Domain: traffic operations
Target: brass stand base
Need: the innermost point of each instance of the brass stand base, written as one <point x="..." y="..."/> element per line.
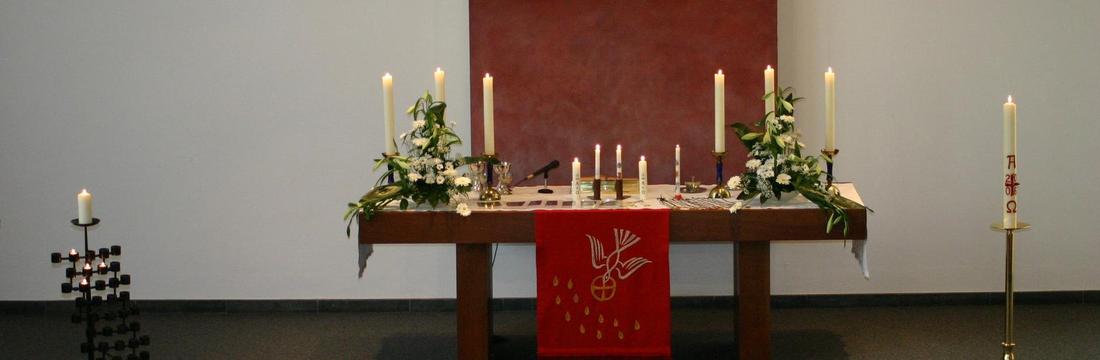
<point x="719" y="192"/>
<point x="1009" y="345"/>
<point x="490" y="194"/>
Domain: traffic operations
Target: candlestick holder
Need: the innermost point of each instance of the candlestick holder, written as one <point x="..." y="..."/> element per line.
<point x="829" y="156"/>
<point x="1009" y="344"/>
<point x="389" y="168"/>
<point x="105" y="317"/>
<point x="489" y="193"/>
<point x="720" y="190"/>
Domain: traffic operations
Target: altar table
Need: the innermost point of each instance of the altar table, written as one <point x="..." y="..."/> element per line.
<point x="751" y="230"/>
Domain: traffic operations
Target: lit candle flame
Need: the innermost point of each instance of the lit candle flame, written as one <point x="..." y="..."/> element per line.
<point x="1010" y="99"/>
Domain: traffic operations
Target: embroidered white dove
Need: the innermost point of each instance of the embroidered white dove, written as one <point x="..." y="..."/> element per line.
<point x="603" y="286"/>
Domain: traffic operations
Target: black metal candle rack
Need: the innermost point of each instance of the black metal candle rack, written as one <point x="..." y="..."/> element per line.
<point x="111" y="332"/>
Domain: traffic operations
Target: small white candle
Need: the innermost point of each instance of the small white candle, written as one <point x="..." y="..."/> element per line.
<point x="769" y="88"/>
<point x="677" y="168"/>
<point x="1010" y="207"/>
<point x="72" y="252"/>
<point x="597" y="174"/>
<point x="87" y="267"/>
<point x="387" y="112"/>
<point x="440" y="85"/>
<point x="84" y="282"/>
<point x="487" y="99"/>
<point x="618" y="161"/>
<point x="643" y="179"/>
<point x="719" y="112"/>
<point x="84" y="207"/>
<point x="830" y="110"/>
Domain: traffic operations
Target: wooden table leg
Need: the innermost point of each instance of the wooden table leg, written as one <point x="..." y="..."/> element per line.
<point x="754" y="318"/>
<point x="474" y="277"/>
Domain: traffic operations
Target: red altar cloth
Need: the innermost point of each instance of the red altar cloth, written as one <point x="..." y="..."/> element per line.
<point x="603" y="288"/>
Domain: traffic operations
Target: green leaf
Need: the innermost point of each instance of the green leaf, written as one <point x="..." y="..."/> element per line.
<point x="750" y="136"/>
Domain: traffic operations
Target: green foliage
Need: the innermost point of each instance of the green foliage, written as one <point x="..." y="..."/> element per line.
<point x="427" y="174"/>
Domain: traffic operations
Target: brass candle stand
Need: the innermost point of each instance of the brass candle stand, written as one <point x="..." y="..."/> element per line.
<point x="720" y="190"/>
<point x="389" y="168"/>
<point x="1009" y="344"/>
<point x="830" y="155"/>
<point x="489" y="193"/>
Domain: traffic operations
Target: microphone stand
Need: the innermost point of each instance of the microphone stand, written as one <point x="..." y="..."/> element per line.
<point x="545" y="183"/>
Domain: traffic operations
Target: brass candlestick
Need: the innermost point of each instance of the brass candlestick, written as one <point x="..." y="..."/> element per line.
<point x="389" y="168"/>
<point x="720" y="191"/>
<point x="1009" y="345"/>
<point x="829" y="156"/>
<point x="489" y="193"/>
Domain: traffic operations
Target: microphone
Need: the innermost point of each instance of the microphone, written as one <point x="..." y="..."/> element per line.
<point x="551" y="166"/>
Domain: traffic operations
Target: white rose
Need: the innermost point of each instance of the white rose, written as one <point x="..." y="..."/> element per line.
<point x="783" y="179"/>
<point x="752" y="164"/>
<point x="450" y="173"/>
<point x="413" y="177"/>
<point x="463" y="209"/>
<point x="462" y="181"/>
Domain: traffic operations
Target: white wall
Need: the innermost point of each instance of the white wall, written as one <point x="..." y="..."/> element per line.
<point x="221" y="141"/>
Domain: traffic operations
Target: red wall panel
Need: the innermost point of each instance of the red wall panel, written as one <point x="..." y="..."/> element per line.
<point x="571" y="74"/>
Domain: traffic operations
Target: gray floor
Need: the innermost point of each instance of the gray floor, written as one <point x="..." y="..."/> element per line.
<point x="923" y="332"/>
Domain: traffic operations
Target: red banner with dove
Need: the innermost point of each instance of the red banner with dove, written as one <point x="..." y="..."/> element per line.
<point x="603" y="287"/>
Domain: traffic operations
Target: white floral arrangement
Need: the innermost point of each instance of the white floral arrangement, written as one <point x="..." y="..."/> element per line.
<point x="428" y="174"/>
<point x="776" y="165"/>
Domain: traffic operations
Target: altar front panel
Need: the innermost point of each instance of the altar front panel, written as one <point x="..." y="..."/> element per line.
<point x="639" y="73"/>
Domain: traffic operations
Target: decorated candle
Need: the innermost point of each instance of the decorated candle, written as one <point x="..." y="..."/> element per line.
<point x="597" y="174"/>
<point x="575" y="185"/>
<point x="677" y="168"/>
<point x="440" y="85"/>
<point x="618" y="161"/>
<point x="1010" y="180"/>
<point x="84" y="207"/>
<point x="487" y="98"/>
<point x="643" y="178"/>
<point x="769" y="88"/>
<point x="387" y="112"/>
<point x="719" y="112"/>
<point x="830" y="110"/>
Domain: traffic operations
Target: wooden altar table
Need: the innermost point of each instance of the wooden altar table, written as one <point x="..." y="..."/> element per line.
<point x="751" y="231"/>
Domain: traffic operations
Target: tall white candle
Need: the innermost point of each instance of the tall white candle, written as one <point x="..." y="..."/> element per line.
<point x="643" y="179"/>
<point x="830" y="110"/>
<point x="1010" y="181"/>
<point x="387" y="112"/>
<point x="618" y="161"/>
<point x="677" y="168"/>
<point x="719" y="112"/>
<point x="769" y="88"/>
<point x="487" y="98"/>
<point x="440" y="85"/>
<point x="84" y="207"/>
<point x="597" y="174"/>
